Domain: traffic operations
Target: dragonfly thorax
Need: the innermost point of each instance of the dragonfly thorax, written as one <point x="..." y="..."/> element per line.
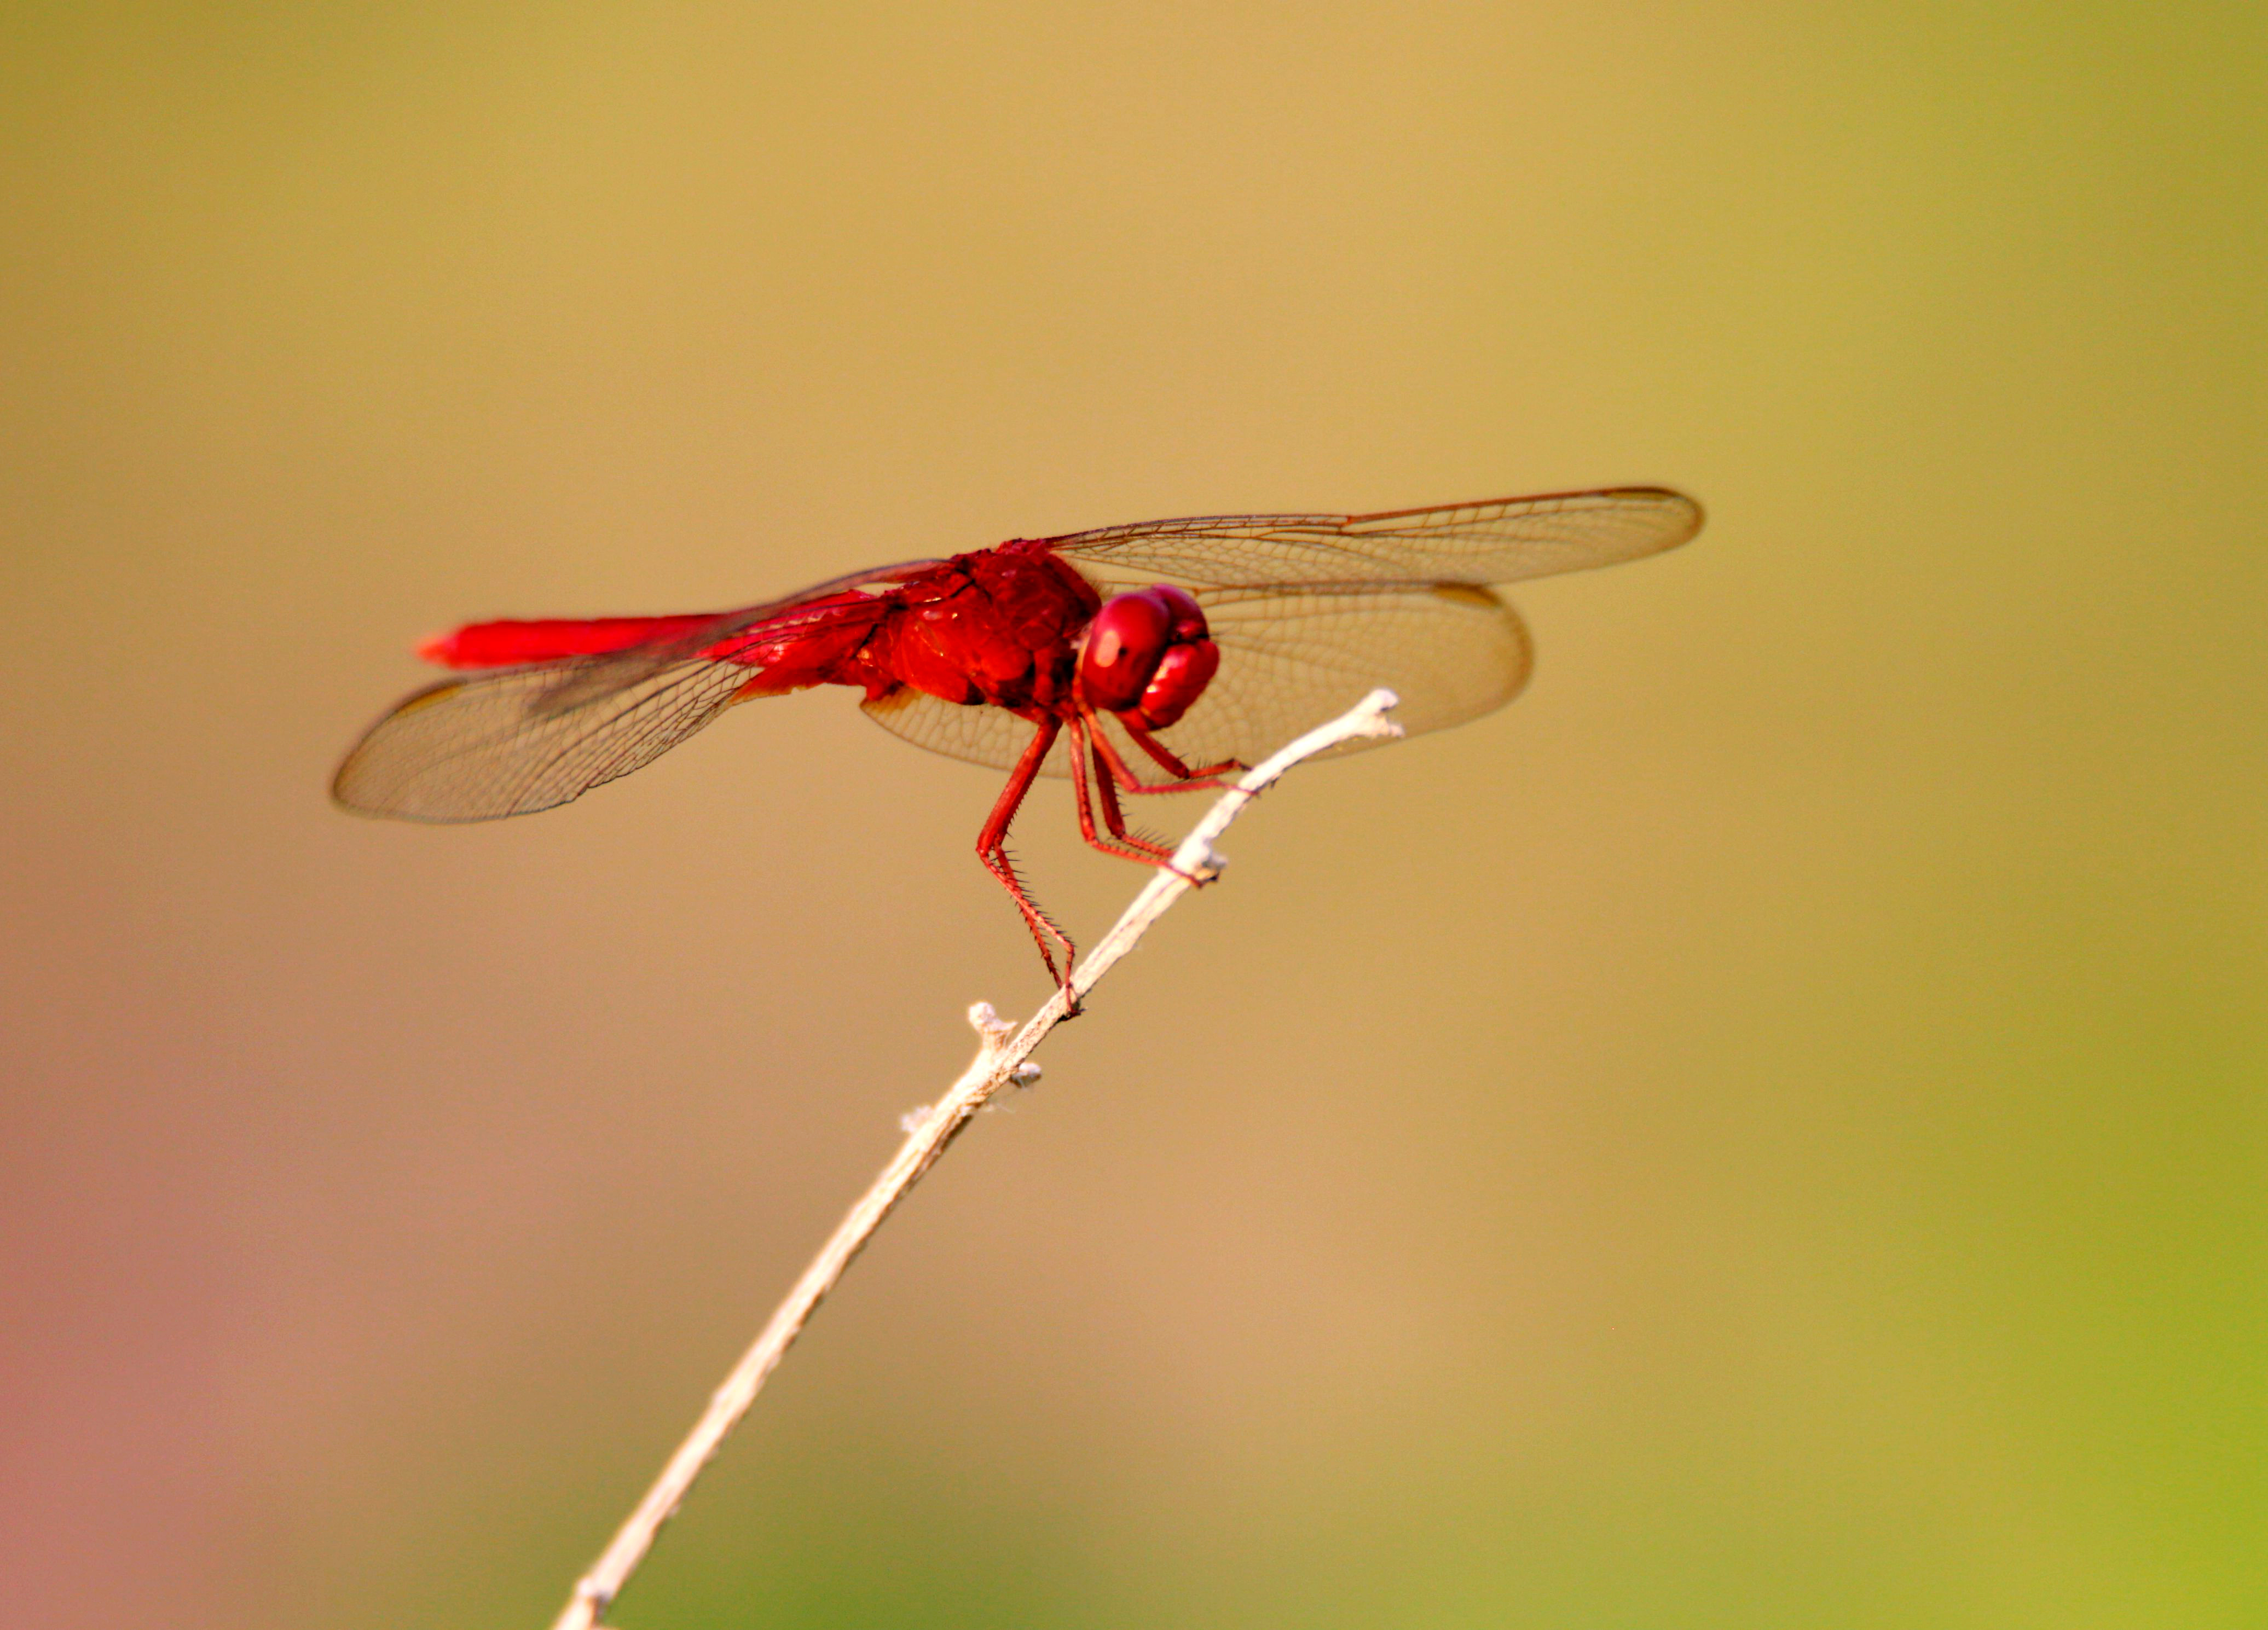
<point x="998" y="628"/>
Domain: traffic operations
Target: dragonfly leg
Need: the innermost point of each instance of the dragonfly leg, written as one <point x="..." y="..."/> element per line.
<point x="1185" y="779"/>
<point x="1095" y="791"/>
<point x="1087" y="738"/>
<point x="1109" y="760"/>
<point x="992" y="849"/>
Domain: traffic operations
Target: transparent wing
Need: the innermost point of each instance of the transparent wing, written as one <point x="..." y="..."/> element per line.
<point x="522" y="739"/>
<point x="1497" y="541"/>
<point x="1292" y="656"/>
<point x="980" y="734"/>
<point x="515" y="740"/>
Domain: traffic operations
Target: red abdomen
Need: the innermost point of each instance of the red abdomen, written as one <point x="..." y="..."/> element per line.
<point x="508" y="643"/>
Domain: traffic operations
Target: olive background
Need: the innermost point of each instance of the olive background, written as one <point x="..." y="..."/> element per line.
<point x="1768" y="1131"/>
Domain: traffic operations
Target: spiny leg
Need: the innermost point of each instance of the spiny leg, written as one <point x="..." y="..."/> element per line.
<point x="1107" y="758"/>
<point x="992" y="849"/>
<point x="1185" y="779"/>
<point x="1086" y="733"/>
<point x="1086" y="741"/>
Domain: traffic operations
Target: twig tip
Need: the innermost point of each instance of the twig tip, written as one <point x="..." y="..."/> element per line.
<point x="1372" y="711"/>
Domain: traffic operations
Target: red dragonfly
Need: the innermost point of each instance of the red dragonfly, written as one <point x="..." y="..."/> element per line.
<point x="1188" y="648"/>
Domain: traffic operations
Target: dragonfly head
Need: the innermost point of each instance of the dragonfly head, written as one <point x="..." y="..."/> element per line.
<point x="1147" y="654"/>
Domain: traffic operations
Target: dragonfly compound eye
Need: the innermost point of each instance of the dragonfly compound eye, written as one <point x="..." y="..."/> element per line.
<point x="1188" y="617"/>
<point x="1147" y="655"/>
<point x="1121" y="652"/>
<point x="1184" y="672"/>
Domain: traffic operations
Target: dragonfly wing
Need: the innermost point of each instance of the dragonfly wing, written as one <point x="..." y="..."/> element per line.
<point x="981" y="735"/>
<point x="515" y="740"/>
<point x="1292" y="656"/>
<point x="1497" y="541"/>
<point x="520" y="739"/>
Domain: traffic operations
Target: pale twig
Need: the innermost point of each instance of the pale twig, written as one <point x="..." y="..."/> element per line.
<point x="1000" y="1061"/>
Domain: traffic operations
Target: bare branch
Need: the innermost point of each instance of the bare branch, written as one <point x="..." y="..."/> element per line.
<point x="1000" y="1061"/>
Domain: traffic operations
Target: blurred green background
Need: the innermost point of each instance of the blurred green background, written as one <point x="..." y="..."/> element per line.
<point x="1767" y="1132"/>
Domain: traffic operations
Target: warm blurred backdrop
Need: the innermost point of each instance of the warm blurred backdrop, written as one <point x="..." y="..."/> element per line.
<point x="1767" y="1132"/>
